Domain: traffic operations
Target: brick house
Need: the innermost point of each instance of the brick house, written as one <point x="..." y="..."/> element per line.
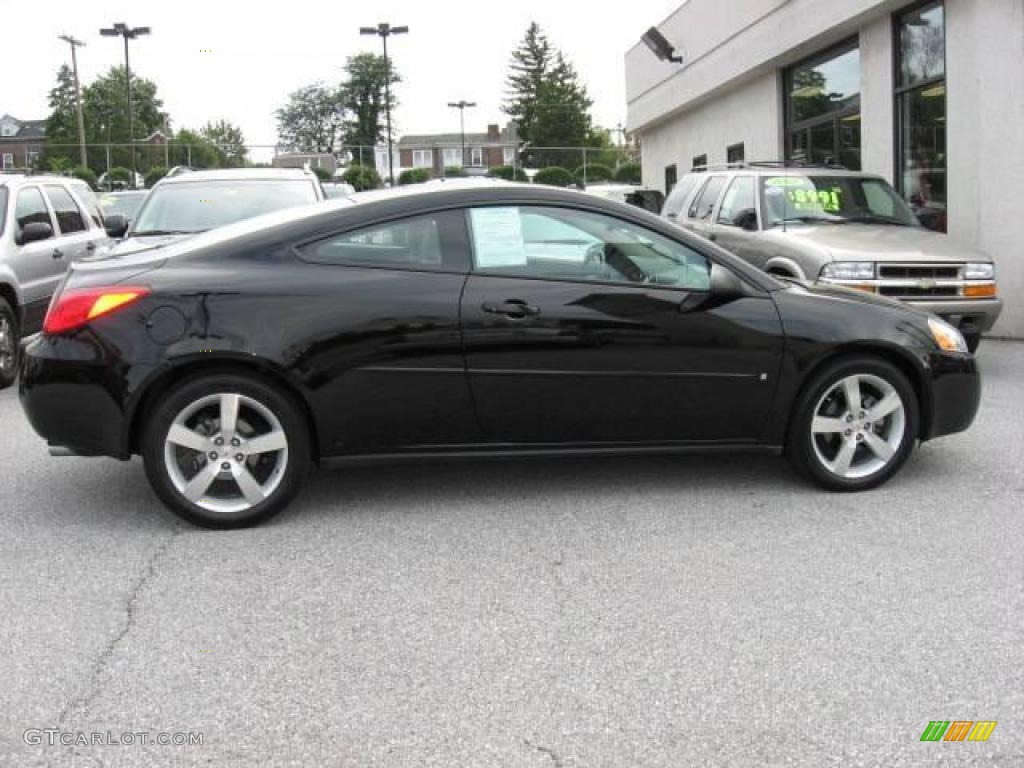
<point x="21" y="142"/>
<point x="438" y="151"/>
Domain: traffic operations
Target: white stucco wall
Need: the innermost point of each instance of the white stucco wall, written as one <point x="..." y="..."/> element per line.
<point x="985" y="140"/>
<point x="748" y="113"/>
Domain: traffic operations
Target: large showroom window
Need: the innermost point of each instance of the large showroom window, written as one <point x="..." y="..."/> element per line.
<point x="921" y="112"/>
<point x="823" y="108"/>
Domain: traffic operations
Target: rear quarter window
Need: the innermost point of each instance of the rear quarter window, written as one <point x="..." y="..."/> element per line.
<point x="677" y="199"/>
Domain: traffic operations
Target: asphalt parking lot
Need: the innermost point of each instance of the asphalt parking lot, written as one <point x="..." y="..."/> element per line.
<point x="667" y="611"/>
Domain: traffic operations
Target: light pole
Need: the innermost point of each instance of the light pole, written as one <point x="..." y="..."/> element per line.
<point x="78" y="93"/>
<point x="461" y="106"/>
<point x="384" y="31"/>
<point x="120" y="29"/>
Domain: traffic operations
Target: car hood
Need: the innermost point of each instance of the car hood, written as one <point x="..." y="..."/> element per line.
<point x="832" y="292"/>
<point x="137" y="243"/>
<point x="881" y="242"/>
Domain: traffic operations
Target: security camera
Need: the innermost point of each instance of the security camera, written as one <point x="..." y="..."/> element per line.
<point x="661" y="47"/>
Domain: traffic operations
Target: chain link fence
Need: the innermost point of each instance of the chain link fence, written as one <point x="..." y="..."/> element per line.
<point x="561" y="165"/>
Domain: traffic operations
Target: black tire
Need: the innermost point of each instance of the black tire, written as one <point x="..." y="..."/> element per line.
<point x="162" y="416"/>
<point x="800" y="446"/>
<point x="10" y="355"/>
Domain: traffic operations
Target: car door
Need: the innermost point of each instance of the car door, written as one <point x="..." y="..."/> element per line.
<point x="699" y="215"/>
<point x="582" y="328"/>
<point x="75" y="237"/>
<point x="737" y="222"/>
<point x="33" y="263"/>
<point x="384" y="358"/>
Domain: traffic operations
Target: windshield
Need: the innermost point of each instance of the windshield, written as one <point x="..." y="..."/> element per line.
<point x="126" y="205"/>
<point x="188" y="207"/>
<point x="803" y="199"/>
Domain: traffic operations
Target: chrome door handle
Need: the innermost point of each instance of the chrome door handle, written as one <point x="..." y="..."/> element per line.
<point x="515" y="309"/>
<point x="91" y="245"/>
<point x="58" y="253"/>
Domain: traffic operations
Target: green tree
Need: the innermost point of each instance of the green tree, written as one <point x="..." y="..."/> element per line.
<point x="105" y="103"/>
<point x="547" y="99"/>
<point x="154" y="175"/>
<point x="228" y="140"/>
<point x="195" y="150"/>
<point x="86" y="174"/>
<point x="362" y="177"/>
<point x="628" y="173"/>
<point x="322" y="173"/>
<point x="363" y="96"/>
<point x="312" y="120"/>
<point x="413" y="176"/>
<point x="61" y="124"/>
<point x="594" y="173"/>
<point x="554" y="175"/>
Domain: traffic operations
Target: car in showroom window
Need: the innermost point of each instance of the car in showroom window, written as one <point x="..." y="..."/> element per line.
<point x="473" y="320"/>
<point x="841" y="227"/>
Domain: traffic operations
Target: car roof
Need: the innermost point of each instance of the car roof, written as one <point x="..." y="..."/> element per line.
<point x="126" y="192"/>
<point x="32" y="179"/>
<point x="783" y="170"/>
<point x="231" y="174"/>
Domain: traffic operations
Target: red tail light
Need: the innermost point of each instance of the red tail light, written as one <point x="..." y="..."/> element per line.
<point x="76" y="307"/>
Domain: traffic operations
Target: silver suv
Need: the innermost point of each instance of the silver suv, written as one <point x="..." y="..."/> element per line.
<point x="46" y="222"/>
<point x="842" y="227"/>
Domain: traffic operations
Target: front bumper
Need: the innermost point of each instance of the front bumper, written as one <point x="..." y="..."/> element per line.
<point x="955" y="394"/>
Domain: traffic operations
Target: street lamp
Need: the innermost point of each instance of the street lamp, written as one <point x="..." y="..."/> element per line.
<point x="384" y="31"/>
<point x="120" y="29"/>
<point x="78" y="92"/>
<point x="461" y="106"/>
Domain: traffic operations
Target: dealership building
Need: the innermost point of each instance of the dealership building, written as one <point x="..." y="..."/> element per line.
<point x="929" y="95"/>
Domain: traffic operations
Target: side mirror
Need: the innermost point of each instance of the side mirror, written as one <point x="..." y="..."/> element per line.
<point x="725" y="283"/>
<point x="116" y="225"/>
<point x="33" y="232"/>
<point x="746" y="219"/>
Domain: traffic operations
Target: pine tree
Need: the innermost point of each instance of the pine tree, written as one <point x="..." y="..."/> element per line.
<point x="547" y="100"/>
<point x="529" y="68"/>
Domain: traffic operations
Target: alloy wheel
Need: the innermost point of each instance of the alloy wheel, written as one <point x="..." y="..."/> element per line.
<point x="226" y="452"/>
<point x="858" y="426"/>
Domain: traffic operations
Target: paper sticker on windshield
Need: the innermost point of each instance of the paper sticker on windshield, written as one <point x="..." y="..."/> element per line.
<point x="498" y="237"/>
<point x="803" y="196"/>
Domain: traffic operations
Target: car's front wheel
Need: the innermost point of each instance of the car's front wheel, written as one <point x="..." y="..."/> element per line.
<point x="854" y="425"/>
<point x="226" y="451"/>
<point x="10" y="345"/>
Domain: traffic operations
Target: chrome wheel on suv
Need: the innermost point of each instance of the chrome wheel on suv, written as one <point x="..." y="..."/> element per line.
<point x="9" y="345"/>
<point x="854" y="424"/>
<point x="226" y="451"/>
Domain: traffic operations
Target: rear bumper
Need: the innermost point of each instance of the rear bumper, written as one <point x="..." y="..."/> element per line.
<point x="72" y="396"/>
<point x="955" y="394"/>
<point x="969" y="315"/>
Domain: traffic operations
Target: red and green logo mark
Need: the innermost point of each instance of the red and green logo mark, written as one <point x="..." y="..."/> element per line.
<point x="958" y="730"/>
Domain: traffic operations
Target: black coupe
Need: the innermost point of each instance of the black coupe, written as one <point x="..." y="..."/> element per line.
<point x="468" y="320"/>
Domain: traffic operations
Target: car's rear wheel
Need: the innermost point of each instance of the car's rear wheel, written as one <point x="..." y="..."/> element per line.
<point x="10" y="344"/>
<point x="226" y="451"/>
<point x="854" y="425"/>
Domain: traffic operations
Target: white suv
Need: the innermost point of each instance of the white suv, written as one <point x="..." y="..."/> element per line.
<point x="46" y="222"/>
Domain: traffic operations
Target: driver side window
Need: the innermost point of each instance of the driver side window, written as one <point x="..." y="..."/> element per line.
<point x="565" y="244"/>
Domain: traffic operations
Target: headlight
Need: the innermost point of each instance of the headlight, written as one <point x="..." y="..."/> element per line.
<point x="849" y="270"/>
<point x="980" y="271"/>
<point x="946" y="336"/>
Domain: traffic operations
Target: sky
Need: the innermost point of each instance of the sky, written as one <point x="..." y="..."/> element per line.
<point x="236" y="61"/>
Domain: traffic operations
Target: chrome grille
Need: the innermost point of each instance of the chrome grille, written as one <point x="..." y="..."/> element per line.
<point x="920" y="281"/>
<point x="920" y="271"/>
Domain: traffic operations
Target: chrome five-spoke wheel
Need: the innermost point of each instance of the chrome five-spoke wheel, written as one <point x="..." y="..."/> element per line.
<point x="226" y="452"/>
<point x="854" y="424"/>
<point x="858" y="426"/>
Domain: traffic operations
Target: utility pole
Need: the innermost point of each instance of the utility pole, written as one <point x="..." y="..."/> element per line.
<point x="461" y="106"/>
<point x="384" y="31"/>
<point x="78" y="93"/>
<point x="120" y="29"/>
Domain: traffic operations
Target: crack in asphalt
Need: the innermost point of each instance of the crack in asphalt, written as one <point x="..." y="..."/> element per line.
<point x="546" y="751"/>
<point x="80" y="705"/>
